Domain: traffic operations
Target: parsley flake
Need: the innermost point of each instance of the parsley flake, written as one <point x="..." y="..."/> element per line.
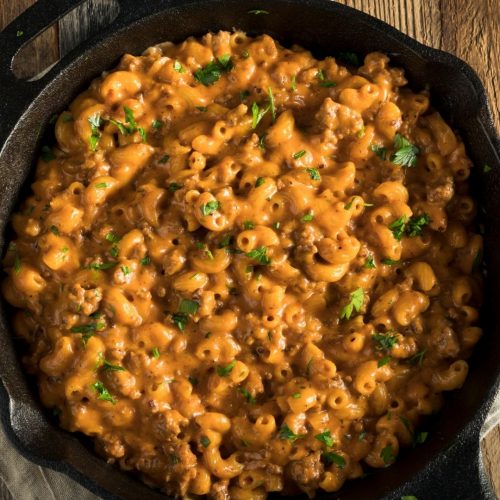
<point x="405" y="153"/>
<point x="260" y="255"/>
<point x="258" y="114"/>
<point x="369" y="263"/>
<point x="250" y="399"/>
<point x="299" y="154"/>
<point x="355" y="303"/>
<point x="210" y="207"/>
<point x="380" y="151"/>
<point x="386" y="455"/>
<point x="224" y="371"/>
<point x="214" y="70"/>
<point x="286" y="434"/>
<point x="326" y="438"/>
<point x="385" y="341"/>
<point x="333" y="458"/>
<point x="259" y="181"/>
<point x="205" y="442"/>
<point x="313" y="174"/>
<point x="178" y="67"/>
<point x="102" y="392"/>
<point x="155" y="352"/>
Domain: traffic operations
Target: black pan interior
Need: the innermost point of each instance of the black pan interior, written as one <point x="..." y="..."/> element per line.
<point x="447" y="466"/>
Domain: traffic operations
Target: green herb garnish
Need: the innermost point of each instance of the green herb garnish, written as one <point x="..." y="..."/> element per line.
<point x="405" y="153"/>
<point x="102" y="392"/>
<point x="214" y="70"/>
<point x="326" y="438"/>
<point x="210" y="207"/>
<point x="355" y="303"/>
<point x="224" y="371"/>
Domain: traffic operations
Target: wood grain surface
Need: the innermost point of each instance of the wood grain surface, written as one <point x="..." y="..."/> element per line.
<point x="469" y="29"/>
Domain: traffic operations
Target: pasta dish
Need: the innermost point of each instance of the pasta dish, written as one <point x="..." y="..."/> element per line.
<point x="243" y="270"/>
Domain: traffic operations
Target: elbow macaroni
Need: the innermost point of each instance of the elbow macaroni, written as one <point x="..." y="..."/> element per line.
<point x="244" y="270"/>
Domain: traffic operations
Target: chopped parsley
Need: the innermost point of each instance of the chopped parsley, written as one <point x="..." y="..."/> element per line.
<point x="146" y="260"/>
<point x="180" y="320"/>
<point x="102" y="266"/>
<point x="112" y="237"/>
<point x="348" y="205"/>
<point x="386" y="454"/>
<point x="287" y="434"/>
<point x="204" y="247"/>
<point x="210" y="207"/>
<point x="405" y="153"/>
<point x="361" y="132"/>
<point x="214" y="70"/>
<point x="398" y="227"/>
<point x="293" y="86"/>
<point x="272" y="105"/>
<point x="17" y="264"/>
<point x="383" y="361"/>
<point x="369" y="263"/>
<point x="95" y="135"/>
<point x="416" y="224"/>
<point x="186" y="308"/>
<point x="130" y="126"/>
<point x="125" y="270"/>
<point x="333" y="458"/>
<point x="47" y="154"/>
<point x="178" y="67"/>
<point x="224" y="371"/>
<point x="380" y="151"/>
<point x="326" y="438"/>
<point x="102" y="392"/>
<point x="487" y="168"/>
<point x="248" y="224"/>
<point x="260" y="255"/>
<point x="107" y="366"/>
<point x="205" y="442"/>
<point x="189" y="306"/>
<point x="355" y="303"/>
<point x="174" y="186"/>
<point x="258" y="114"/>
<point x="299" y="154"/>
<point x="203" y="109"/>
<point x="411" y="227"/>
<point x="259" y="181"/>
<point x="307" y="217"/>
<point x="420" y="437"/>
<point x="313" y="174"/>
<point x="101" y="185"/>
<point x="320" y="75"/>
<point x="87" y="330"/>
<point x="295" y="395"/>
<point x="157" y="124"/>
<point x="54" y="230"/>
<point x="164" y="159"/>
<point x="385" y="341"/>
<point x="155" y="352"/>
<point x="250" y="399"/>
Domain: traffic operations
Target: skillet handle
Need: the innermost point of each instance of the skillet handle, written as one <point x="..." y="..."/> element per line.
<point x="18" y="94"/>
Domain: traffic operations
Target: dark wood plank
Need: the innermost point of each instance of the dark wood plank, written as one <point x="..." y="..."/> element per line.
<point x="85" y="21"/>
<point x="40" y="53"/>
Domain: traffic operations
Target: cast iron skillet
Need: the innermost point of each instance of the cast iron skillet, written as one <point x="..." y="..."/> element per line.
<point x="448" y="465"/>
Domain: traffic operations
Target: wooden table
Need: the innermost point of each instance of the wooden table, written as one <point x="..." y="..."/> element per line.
<point x="468" y="28"/>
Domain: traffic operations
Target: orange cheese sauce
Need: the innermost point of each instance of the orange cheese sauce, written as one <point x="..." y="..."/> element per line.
<point x="243" y="270"/>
